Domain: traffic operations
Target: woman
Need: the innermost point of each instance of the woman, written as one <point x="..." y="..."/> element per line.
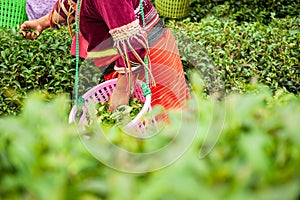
<point x="133" y="38"/>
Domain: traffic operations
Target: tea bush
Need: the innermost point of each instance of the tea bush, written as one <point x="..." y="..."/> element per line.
<point x="41" y="64"/>
<point x="244" y="10"/>
<point x="256" y="155"/>
<point x="234" y="54"/>
<point x="227" y="50"/>
<point x="40" y="155"/>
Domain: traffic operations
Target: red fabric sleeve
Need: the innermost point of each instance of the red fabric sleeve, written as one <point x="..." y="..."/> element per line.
<point x="118" y="13"/>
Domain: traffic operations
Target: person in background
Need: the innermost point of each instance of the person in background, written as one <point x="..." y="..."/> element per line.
<point x="37" y="8"/>
<point x="130" y="36"/>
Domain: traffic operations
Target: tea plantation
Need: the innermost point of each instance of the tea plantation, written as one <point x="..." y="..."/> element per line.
<point x="241" y="60"/>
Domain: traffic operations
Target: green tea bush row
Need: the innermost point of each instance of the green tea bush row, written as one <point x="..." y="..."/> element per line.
<point x="245" y="10"/>
<point x="253" y="155"/>
<point x="242" y="52"/>
<point x="41" y="64"/>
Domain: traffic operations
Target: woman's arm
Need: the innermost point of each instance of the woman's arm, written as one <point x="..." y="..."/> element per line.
<point x="56" y="16"/>
<point x="39" y="25"/>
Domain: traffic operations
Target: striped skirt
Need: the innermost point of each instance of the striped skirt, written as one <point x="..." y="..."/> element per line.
<point x="171" y="90"/>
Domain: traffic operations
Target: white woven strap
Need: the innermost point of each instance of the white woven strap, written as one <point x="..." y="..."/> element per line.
<point x="123" y="70"/>
<point x="126" y="32"/>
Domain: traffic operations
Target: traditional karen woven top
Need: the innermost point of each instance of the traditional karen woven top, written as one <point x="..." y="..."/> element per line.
<point x="114" y="31"/>
<point x="113" y="28"/>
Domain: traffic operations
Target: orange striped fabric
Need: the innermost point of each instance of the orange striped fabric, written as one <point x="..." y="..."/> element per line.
<point x="171" y="90"/>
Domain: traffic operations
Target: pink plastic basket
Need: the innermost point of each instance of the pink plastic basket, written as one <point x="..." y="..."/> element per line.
<point x="101" y="93"/>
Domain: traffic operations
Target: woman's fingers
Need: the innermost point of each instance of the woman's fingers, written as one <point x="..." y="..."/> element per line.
<point x="29" y="33"/>
<point x="22" y="31"/>
<point x="23" y="27"/>
<point x="30" y="29"/>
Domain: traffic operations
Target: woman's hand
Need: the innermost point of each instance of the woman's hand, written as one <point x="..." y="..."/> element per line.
<point x="121" y="93"/>
<point x="32" y="29"/>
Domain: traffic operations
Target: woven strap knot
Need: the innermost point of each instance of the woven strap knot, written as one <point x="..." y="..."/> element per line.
<point x="146" y="89"/>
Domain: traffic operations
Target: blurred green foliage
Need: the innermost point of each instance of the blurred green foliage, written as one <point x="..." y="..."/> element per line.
<point x="256" y="156"/>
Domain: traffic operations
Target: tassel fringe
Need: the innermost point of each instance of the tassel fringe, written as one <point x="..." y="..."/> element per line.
<point x="122" y="36"/>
